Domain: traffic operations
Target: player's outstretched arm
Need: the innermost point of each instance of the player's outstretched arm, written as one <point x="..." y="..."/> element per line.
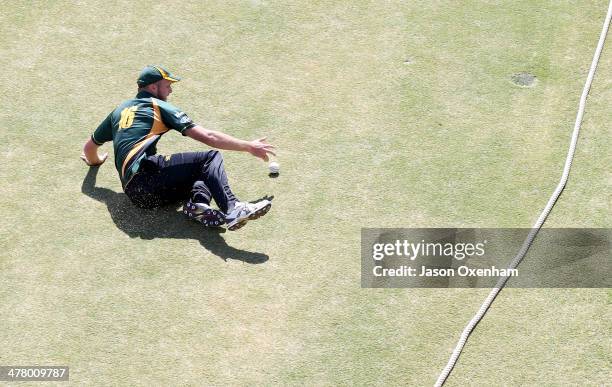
<point x="90" y="154"/>
<point x="258" y="148"/>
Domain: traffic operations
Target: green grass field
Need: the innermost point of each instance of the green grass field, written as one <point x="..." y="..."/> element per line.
<point x="386" y="114"/>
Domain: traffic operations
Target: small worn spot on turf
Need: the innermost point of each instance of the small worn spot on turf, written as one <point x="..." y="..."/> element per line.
<point x="524" y="79"/>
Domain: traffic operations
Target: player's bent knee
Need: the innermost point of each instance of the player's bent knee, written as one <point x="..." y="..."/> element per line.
<point x="214" y="157"/>
<point x="215" y="154"/>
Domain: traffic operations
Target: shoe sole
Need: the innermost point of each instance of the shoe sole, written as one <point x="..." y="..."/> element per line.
<point x="255" y="215"/>
<point x="209" y="218"/>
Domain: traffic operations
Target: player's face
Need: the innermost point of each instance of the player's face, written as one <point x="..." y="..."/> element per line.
<point x="164" y="88"/>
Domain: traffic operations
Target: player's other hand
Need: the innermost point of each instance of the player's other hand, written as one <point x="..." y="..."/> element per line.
<point x="260" y="148"/>
<point x="100" y="160"/>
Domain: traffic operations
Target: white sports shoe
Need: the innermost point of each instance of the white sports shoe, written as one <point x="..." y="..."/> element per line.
<point x="204" y="213"/>
<point x="244" y="211"/>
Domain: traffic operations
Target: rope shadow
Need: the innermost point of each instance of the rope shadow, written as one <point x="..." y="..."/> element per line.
<point x="163" y="222"/>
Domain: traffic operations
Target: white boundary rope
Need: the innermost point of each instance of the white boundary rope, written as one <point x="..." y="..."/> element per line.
<point x="534" y="231"/>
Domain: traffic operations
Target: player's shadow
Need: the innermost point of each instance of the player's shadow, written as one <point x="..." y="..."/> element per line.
<point x="164" y="222"/>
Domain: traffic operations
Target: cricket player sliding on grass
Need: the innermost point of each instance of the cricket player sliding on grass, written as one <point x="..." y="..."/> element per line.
<point x="151" y="180"/>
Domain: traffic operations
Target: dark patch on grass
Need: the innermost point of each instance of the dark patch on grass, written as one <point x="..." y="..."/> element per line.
<point x="524" y="79"/>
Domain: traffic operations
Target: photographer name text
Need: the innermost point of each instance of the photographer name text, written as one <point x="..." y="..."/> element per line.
<point x="461" y="271"/>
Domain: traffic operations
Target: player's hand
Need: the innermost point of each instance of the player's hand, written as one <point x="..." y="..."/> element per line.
<point x="100" y="161"/>
<point x="260" y="148"/>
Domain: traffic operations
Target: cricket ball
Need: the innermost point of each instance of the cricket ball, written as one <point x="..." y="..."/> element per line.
<point x="274" y="167"/>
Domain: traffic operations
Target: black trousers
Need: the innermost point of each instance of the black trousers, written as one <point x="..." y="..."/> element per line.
<point x="162" y="180"/>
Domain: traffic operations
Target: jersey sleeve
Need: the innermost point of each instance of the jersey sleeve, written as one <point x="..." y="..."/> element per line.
<point x="175" y="118"/>
<point x="104" y="132"/>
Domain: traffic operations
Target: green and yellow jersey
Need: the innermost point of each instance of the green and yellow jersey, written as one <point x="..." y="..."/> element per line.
<point x="135" y="126"/>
